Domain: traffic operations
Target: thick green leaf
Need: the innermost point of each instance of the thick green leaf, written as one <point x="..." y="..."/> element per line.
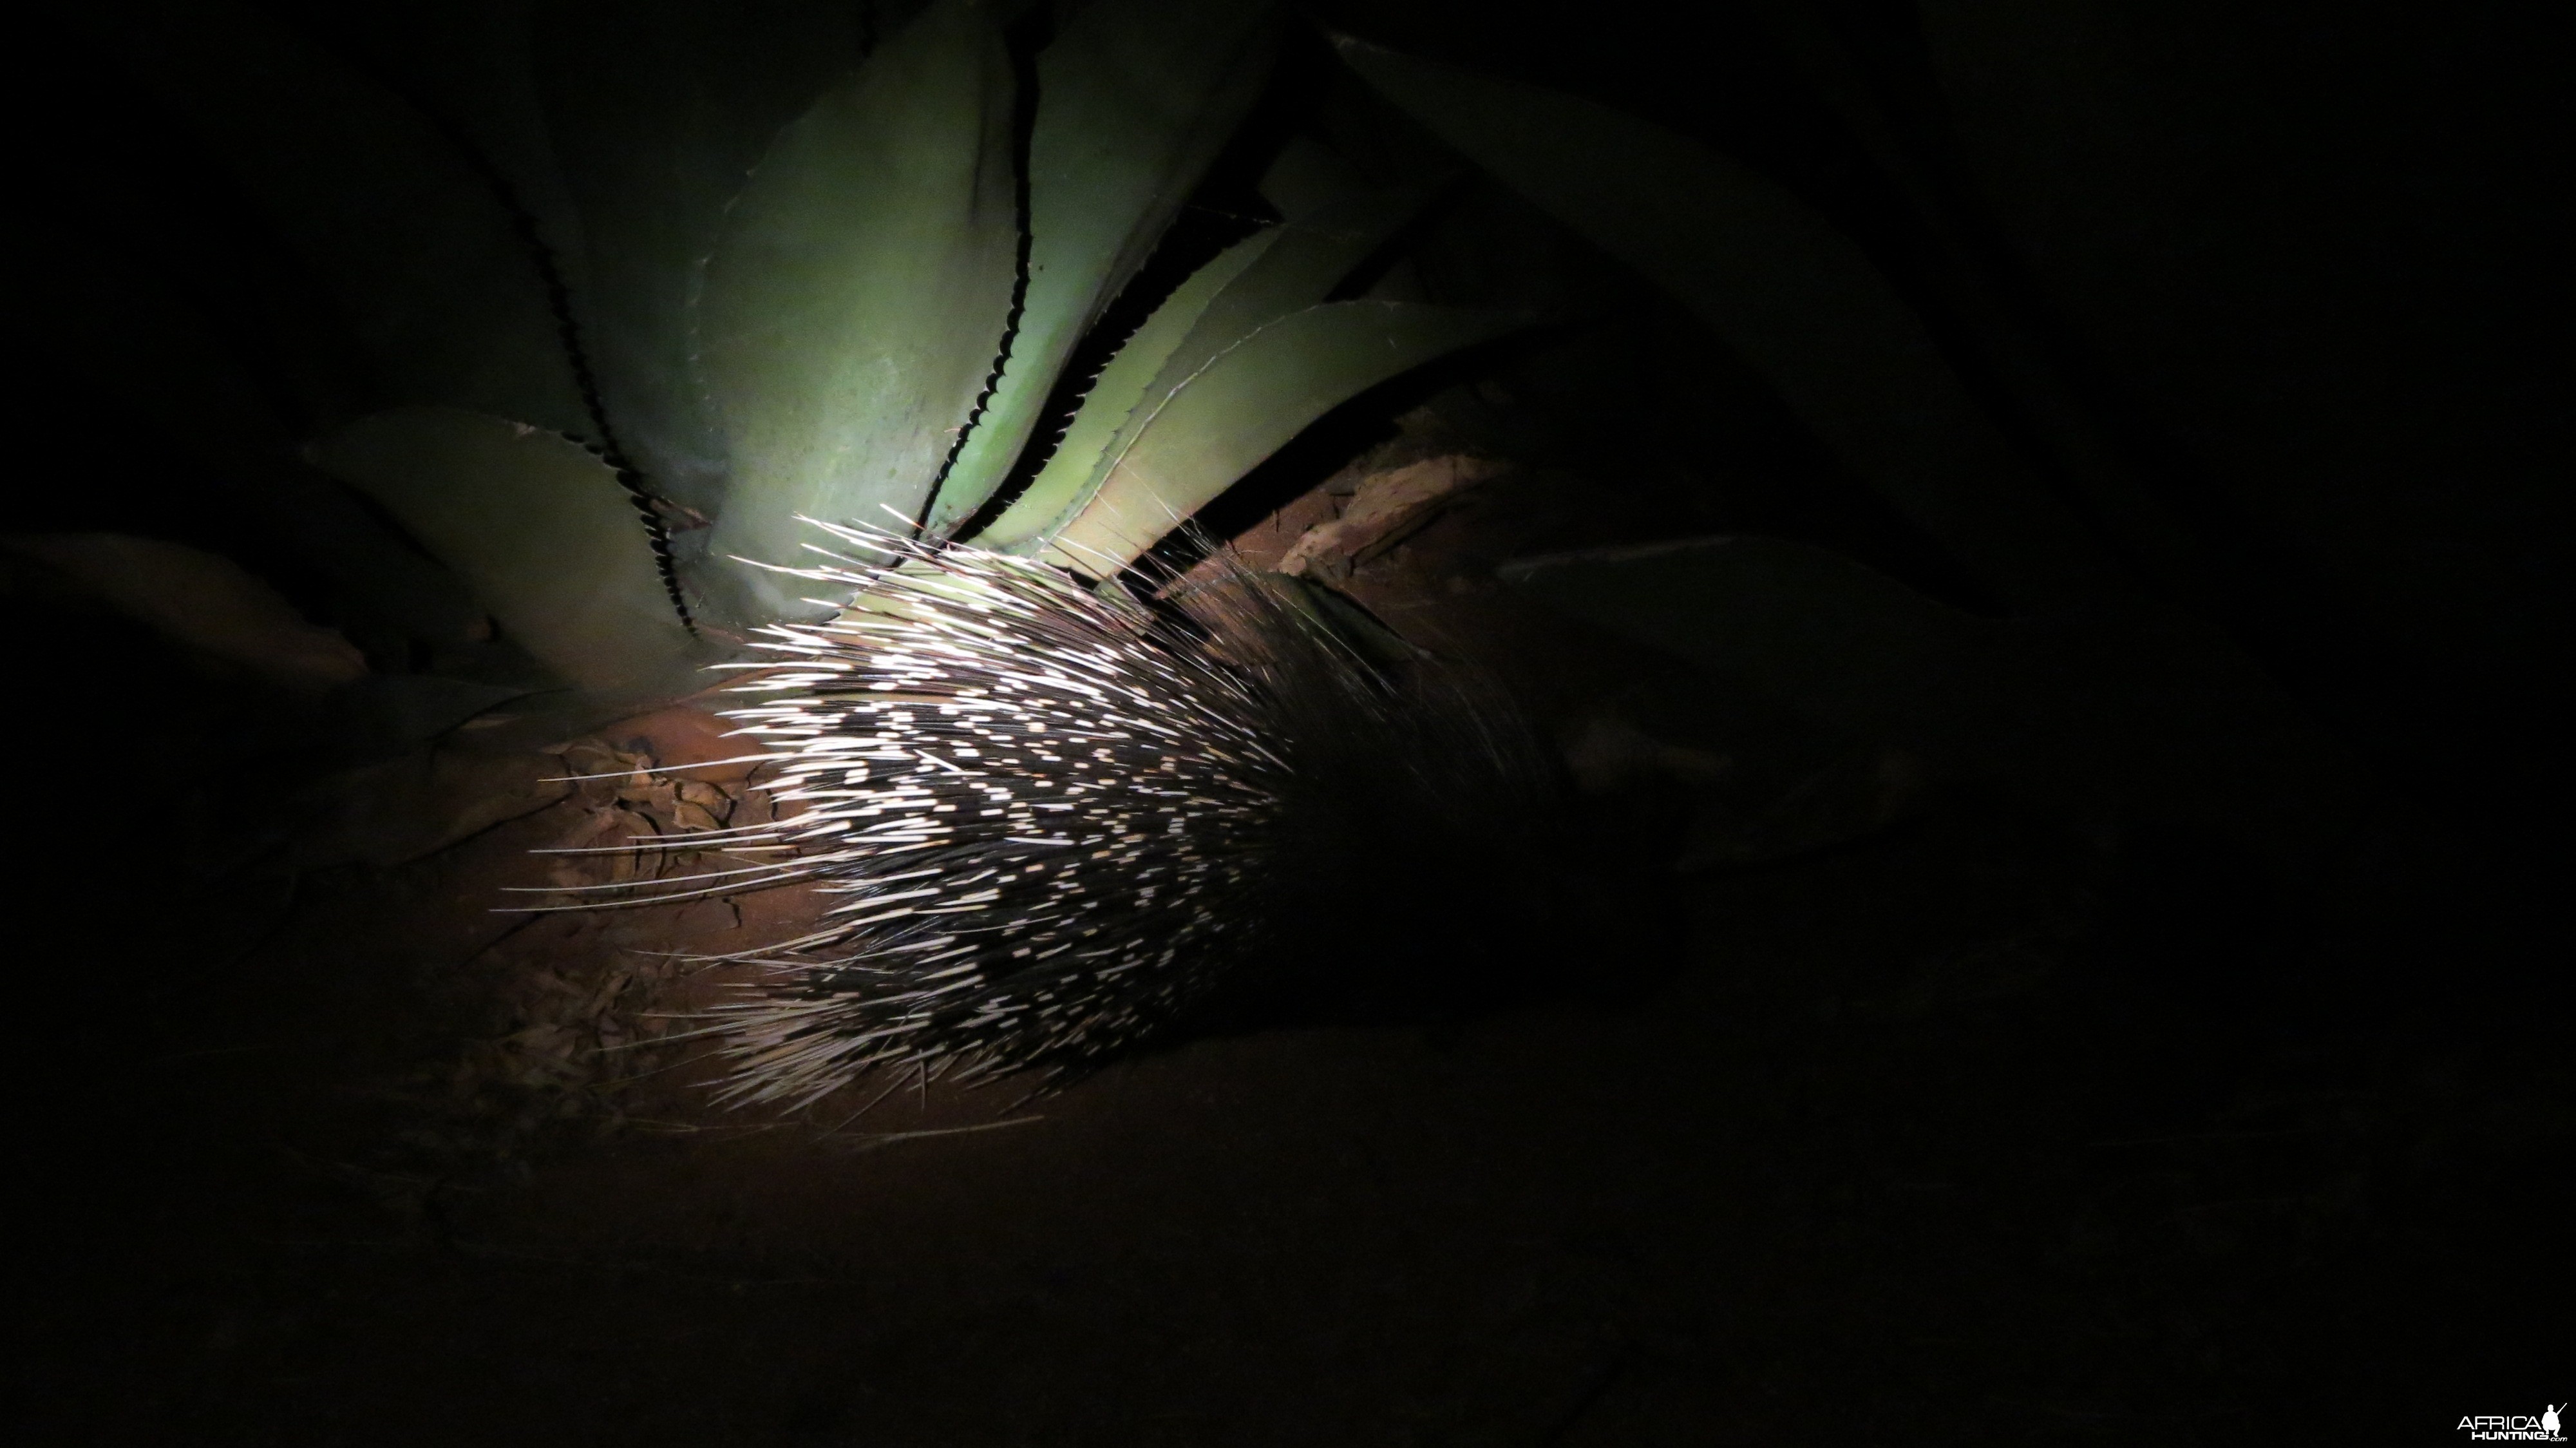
<point x="2153" y="715"/>
<point x="1066" y="480"/>
<point x="1299" y="269"/>
<point x="538" y="528"/>
<point x="1789" y="292"/>
<point x="201" y="599"/>
<point x="658" y="110"/>
<point x="1135" y="97"/>
<point x="1307" y="178"/>
<point x="137" y="341"/>
<point x="855" y="304"/>
<point x="1267" y="277"/>
<point x="423" y="259"/>
<point x="468" y="66"/>
<point x="1246" y="403"/>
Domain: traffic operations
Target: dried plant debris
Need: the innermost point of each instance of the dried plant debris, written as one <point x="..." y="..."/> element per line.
<point x="575" y="1031"/>
<point x="627" y="806"/>
<point x="1385" y="508"/>
<point x="2014" y="964"/>
<point x="1851" y="798"/>
<point x="1739" y="816"/>
<point x="582" y="1009"/>
<point x="580" y="1029"/>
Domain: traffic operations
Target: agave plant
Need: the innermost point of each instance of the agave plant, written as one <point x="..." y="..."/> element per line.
<point x="638" y="295"/>
<point x="618" y="294"/>
<point x="2113" y="676"/>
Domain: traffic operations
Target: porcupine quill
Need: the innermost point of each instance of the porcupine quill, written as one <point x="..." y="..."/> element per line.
<point x="1050" y="823"/>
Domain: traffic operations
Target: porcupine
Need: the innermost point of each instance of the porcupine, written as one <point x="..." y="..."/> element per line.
<point x="1061" y="820"/>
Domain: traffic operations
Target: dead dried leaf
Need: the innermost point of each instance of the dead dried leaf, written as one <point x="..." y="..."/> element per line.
<point x="1386" y="508"/>
<point x="714" y="800"/>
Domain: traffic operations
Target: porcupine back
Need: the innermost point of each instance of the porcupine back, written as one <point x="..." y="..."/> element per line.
<point x="1049" y="824"/>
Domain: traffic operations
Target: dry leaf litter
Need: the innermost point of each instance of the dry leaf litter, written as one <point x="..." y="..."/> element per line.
<point x="584" y="1004"/>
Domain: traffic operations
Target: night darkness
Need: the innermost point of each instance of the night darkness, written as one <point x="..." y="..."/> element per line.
<point x="2141" y="1021"/>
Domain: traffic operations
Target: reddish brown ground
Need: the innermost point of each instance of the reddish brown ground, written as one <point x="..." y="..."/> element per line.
<point x="1953" y="1134"/>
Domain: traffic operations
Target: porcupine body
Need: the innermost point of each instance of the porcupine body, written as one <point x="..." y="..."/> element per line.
<point x="1048" y="823"/>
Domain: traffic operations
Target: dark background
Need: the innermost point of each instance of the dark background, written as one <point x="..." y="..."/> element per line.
<point x="1992" y="1126"/>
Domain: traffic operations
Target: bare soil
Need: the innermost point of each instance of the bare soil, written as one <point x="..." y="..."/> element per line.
<point x="1971" y="1129"/>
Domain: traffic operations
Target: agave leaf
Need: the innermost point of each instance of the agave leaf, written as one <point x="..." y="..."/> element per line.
<point x="539" y="529"/>
<point x="1789" y="292"/>
<point x="344" y="541"/>
<point x="140" y="343"/>
<point x="1135" y="97"/>
<point x="204" y="600"/>
<point x="468" y="66"/>
<point x="1299" y="269"/>
<point x="1307" y="178"/>
<point x="1066" y="479"/>
<point x="658" y="110"/>
<point x="2159" y="714"/>
<point x="855" y="304"/>
<point x="424" y="261"/>
<point x="1272" y="276"/>
<point x="1246" y="403"/>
